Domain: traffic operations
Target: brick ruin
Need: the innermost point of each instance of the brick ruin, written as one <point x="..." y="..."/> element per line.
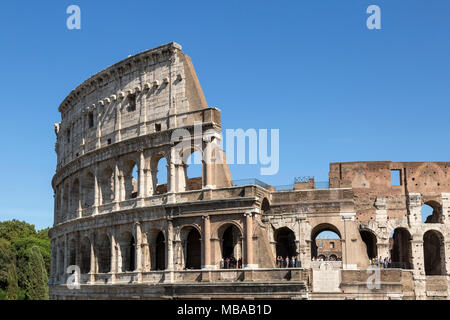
<point x="134" y="236"/>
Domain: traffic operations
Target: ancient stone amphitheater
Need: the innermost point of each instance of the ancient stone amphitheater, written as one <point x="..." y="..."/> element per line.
<point x="133" y="236"/>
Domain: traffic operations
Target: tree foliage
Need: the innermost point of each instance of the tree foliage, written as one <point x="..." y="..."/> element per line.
<point x="36" y="276"/>
<point x="24" y="261"/>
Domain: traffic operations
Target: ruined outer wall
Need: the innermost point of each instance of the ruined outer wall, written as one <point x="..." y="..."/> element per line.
<point x="372" y="179"/>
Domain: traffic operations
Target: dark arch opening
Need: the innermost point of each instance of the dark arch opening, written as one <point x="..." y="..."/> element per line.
<point x="285" y="243"/>
<point x="160" y="251"/>
<point x="401" y="250"/>
<point x="104" y="255"/>
<point x="265" y="205"/>
<point x="128" y="251"/>
<point x="85" y="249"/>
<point x="193" y="250"/>
<point x="433" y="250"/>
<point x="371" y="243"/>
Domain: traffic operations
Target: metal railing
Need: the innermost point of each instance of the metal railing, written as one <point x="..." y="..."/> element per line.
<point x="246" y="182"/>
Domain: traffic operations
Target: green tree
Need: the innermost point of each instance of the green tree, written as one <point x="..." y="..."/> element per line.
<point x="36" y="276"/>
<point x="13" y="287"/>
<point x="5" y="262"/>
<point x="14" y="229"/>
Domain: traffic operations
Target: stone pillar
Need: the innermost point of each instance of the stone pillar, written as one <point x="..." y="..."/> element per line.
<point x="116" y="187"/>
<point x="418" y="268"/>
<point x="138" y="258"/>
<point x="80" y="197"/>
<point x="169" y="275"/>
<point x="249" y="241"/>
<point x="113" y="256"/>
<point x="447" y="257"/>
<point x="414" y="208"/>
<point x="61" y="207"/>
<point x="93" y="262"/>
<point x="141" y="176"/>
<point x="171" y="172"/>
<point x="96" y="191"/>
<point x="66" y="257"/>
<point x="304" y="245"/>
<point x="207" y="243"/>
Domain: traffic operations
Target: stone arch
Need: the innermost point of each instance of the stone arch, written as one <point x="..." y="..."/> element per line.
<point x="401" y="248"/>
<point x="66" y="206"/>
<point x="434" y="253"/>
<point x="316" y="231"/>
<point x="104" y="253"/>
<point x="160" y="252"/>
<point x="193" y="163"/>
<point x="370" y="240"/>
<point x="107" y="185"/>
<point x="85" y="253"/>
<point x="285" y="242"/>
<point x="75" y="195"/>
<point x="60" y="262"/>
<point x="192" y="247"/>
<point x="434" y="211"/>
<point x="265" y="205"/>
<point x="88" y="190"/>
<point x="72" y="252"/>
<point x="127" y="245"/>
<point x="160" y="175"/>
<point x="231" y="242"/>
<point x="130" y="182"/>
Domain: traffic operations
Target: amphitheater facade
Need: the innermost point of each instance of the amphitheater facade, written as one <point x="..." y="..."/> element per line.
<point x="135" y="237"/>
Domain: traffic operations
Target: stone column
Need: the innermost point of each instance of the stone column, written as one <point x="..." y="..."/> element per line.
<point x="304" y="245"/>
<point x="80" y="197"/>
<point x="66" y="257"/>
<point x="445" y="208"/>
<point x="93" y="262"/>
<point x="141" y="176"/>
<point x="171" y="172"/>
<point x="113" y="256"/>
<point x="116" y="187"/>
<point x="418" y="268"/>
<point x="169" y="275"/>
<point x="206" y="242"/>
<point x="61" y="207"/>
<point x="414" y="208"/>
<point x="249" y="241"/>
<point x="96" y="191"/>
<point x="138" y="258"/>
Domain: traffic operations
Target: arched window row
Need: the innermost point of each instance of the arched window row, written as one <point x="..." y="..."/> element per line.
<point x="130" y="178"/>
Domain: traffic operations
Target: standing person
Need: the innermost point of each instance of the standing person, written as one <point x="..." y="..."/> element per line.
<point x="278" y="262"/>
<point x="222" y="264"/>
<point x="292" y="262"/>
<point x="227" y="262"/>
<point x="240" y="263"/>
<point x="287" y="261"/>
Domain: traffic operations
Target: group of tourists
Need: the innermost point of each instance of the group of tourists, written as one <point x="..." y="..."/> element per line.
<point x="286" y="262"/>
<point x="322" y="258"/>
<point x="381" y="263"/>
<point x="231" y="263"/>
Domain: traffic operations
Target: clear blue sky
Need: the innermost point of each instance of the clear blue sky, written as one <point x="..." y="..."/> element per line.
<point x="336" y="90"/>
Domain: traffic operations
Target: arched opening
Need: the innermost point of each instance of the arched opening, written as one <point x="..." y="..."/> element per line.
<point x="333" y="257"/>
<point x="128" y="252"/>
<point x="193" y="250"/>
<point x="431" y="212"/>
<point x="370" y="240"/>
<point x="193" y="176"/>
<point x="72" y="253"/>
<point x="285" y="243"/>
<point x="61" y="260"/>
<point x="104" y="254"/>
<point x="85" y="252"/>
<point x="88" y="190"/>
<point x="160" y="252"/>
<point x="434" y="253"/>
<point x="107" y="185"/>
<point x="265" y="205"/>
<point x="75" y="195"/>
<point x="65" y="202"/>
<point x="159" y="171"/>
<point x="231" y="244"/>
<point x="401" y="250"/>
<point x="326" y="241"/>
<point x="130" y="179"/>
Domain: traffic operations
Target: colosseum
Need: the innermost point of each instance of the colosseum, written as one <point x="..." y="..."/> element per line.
<point x="133" y="236"/>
